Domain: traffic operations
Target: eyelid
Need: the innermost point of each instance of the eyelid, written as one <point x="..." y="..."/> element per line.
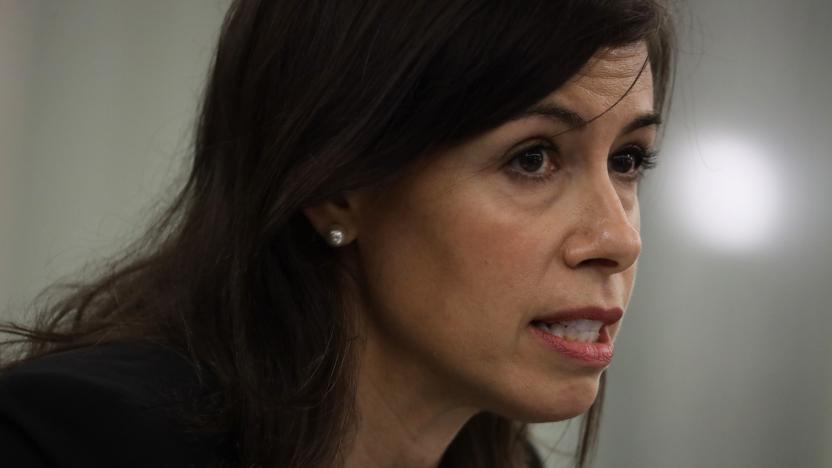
<point x="645" y="150"/>
<point x="647" y="161"/>
<point x="544" y="143"/>
<point x="548" y="146"/>
<point x="533" y="142"/>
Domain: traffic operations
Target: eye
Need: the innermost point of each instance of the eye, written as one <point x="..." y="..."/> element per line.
<point x="532" y="163"/>
<point x="631" y="161"/>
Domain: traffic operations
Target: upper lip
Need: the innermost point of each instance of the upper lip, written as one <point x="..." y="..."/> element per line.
<point x="607" y="316"/>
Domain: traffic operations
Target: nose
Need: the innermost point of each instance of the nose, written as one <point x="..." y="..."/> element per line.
<point x="604" y="235"/>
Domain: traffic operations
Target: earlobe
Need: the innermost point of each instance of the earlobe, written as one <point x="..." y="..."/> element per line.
<point x="336" y="236"/>
<point x="335" y="220"/>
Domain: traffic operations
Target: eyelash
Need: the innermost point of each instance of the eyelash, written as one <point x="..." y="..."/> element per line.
<point x="644" y="161"/>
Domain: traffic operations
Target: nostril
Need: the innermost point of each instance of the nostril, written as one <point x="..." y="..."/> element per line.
<point x="600" y="262"/>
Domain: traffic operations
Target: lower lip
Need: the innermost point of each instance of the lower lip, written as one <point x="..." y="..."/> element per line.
<point x="597" y="354"/>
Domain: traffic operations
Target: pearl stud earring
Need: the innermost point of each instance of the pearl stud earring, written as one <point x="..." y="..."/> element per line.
<point x="335" y="236"/>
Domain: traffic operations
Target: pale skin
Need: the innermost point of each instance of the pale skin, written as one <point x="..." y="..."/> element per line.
<point x="472" y="244"/>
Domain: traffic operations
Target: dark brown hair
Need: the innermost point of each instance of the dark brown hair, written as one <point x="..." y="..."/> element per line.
<point x="307" y="99"/>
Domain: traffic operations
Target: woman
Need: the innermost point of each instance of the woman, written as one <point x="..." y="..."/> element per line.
<point x="409" y="229"/>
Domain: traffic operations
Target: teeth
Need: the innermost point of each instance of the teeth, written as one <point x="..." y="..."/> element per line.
<point x="585" y="331"/>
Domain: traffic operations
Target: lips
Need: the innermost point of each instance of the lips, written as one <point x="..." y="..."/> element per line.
<point x="596" y="354"/>
<point x="607" y="316"/>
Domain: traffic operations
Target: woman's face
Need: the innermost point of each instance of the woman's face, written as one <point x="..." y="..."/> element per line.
<point x="471" y="247"/>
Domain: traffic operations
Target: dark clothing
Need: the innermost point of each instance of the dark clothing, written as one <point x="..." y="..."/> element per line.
<point x="115" y="405"/>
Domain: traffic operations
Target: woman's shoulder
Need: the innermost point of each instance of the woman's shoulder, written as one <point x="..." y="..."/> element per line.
<point x="104" y="405"/>
<point x="109" y="363"/>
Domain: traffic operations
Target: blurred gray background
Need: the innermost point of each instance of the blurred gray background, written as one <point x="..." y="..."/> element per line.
<point x="724" y="359"/>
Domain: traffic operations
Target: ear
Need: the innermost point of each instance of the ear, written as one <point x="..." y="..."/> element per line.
<point x="338" y="212"/>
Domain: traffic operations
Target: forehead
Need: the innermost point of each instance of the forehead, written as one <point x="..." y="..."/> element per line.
<point x="611" y="75"/>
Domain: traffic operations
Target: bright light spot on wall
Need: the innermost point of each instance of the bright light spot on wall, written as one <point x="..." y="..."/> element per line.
<point x="730" y="194"/>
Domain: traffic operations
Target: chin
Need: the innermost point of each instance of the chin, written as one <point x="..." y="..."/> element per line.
<point x="558" y="402"/>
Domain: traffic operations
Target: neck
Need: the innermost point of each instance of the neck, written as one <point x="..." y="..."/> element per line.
<point x="405" y="419"/>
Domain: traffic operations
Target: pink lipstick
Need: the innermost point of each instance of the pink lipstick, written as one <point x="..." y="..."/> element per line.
<point x="597" y="353"/>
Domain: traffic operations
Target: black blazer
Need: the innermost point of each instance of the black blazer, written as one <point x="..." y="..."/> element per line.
<point x="115" y="405"/>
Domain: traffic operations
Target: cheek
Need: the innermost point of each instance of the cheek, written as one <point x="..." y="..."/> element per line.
<point x="630" y="275"/>
<point x="454" y="279"/>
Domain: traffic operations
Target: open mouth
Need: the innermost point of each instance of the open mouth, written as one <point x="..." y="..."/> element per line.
<point x="585" y="341"/>
<point x="579" y="330"/>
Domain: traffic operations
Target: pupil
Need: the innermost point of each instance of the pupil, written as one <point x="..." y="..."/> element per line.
<point x="531" y="161"/>
<point x="623" y="163"/>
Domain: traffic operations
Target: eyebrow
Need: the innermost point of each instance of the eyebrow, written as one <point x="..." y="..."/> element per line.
<point x="574" y="120"/>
